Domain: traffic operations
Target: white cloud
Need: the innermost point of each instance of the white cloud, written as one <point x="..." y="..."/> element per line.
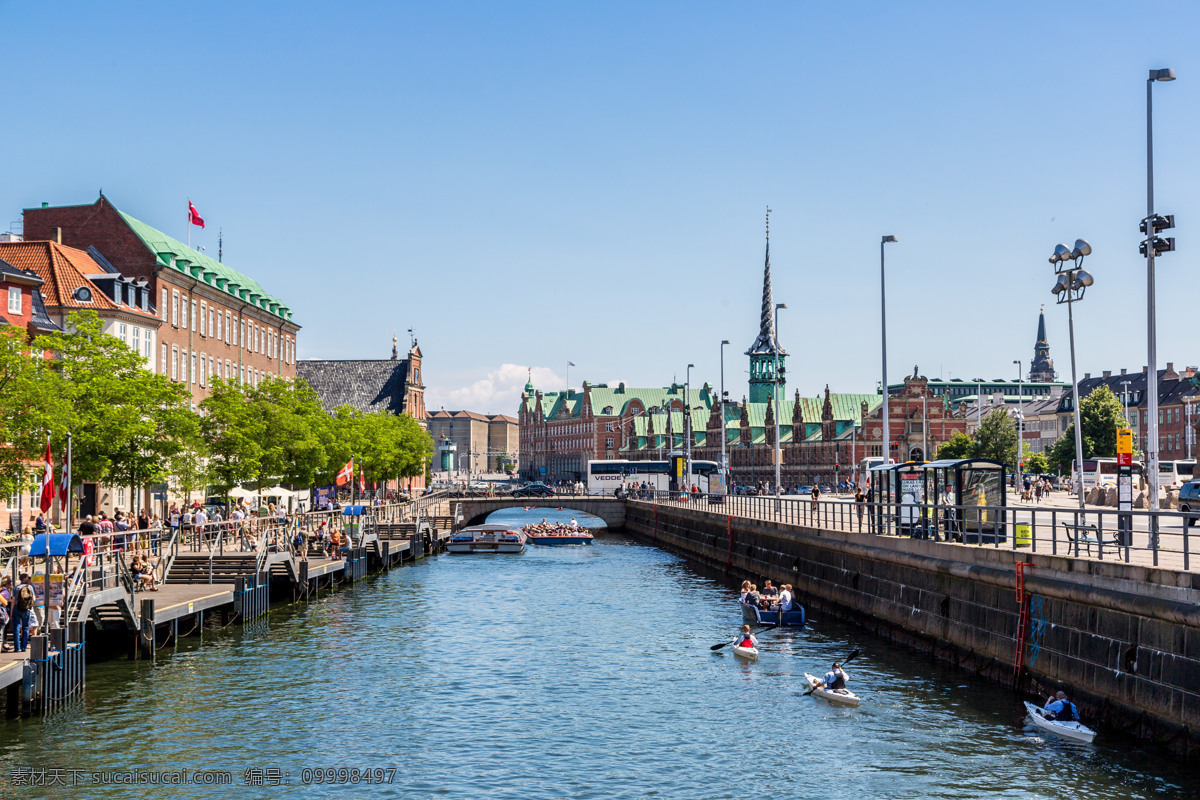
<point x="499" y="392"/>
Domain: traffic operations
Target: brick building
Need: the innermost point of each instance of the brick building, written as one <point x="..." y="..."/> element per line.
<point x="214" y="321"/>
<point x="482" y="442"/>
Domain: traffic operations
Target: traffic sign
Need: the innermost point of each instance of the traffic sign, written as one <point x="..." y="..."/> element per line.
<point x="1124" y="446"/>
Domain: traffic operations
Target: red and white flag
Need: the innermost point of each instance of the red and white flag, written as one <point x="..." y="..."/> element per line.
<point x="194" y="216"/>
<point x="63" y="491"/>
<point x="47" y="483"/>
<point x="346" y="473"/>
<point x="362" y="480"/>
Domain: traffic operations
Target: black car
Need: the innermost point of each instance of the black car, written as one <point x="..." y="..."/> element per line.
<point x="1189" y="501"/>
<point x="533" y="490"/>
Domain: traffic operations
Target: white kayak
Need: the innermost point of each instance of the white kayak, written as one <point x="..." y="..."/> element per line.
<point x="1072" y="730"/>
<point x="746" y="652"/>
<point x="843" y="696"/>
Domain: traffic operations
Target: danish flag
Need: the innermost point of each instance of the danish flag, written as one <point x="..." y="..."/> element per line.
<point x="346" y="473"/>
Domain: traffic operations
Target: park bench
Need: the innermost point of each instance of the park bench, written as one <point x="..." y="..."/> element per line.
<point x="1089" y="535"/>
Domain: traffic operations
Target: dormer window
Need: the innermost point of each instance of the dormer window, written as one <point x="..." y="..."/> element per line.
<point x="606" y="410"/>
<point x="83" y="294"/>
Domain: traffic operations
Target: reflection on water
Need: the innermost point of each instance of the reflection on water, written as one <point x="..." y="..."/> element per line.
<point x="574" y="672"/>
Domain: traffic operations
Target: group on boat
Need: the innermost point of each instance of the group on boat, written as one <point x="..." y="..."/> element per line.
<point x="771" y="606"/>
<point x="557" y="533"/>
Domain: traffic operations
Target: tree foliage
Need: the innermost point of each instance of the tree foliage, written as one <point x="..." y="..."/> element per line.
<point x="996" y="438"/>
<point x="31" y="408"/>
<point x="959" y="446"/>
<point x="1037" y="464"/>
<point x="1101" y="414"/>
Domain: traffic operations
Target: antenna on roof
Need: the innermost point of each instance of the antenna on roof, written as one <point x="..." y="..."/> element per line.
<point x="220" y="242"/>
<point x="412" y="340"/>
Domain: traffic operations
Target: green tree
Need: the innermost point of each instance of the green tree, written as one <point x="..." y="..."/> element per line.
<point x="959" y="446"/>
<point x="296" y="432"/>
<point x="1037" y="464"/>
<point x="232" y="432"/>
<point x="1101" y="414"/>
<point x="189" y="464"/>
<point x="996" y="438"/>
<point x="123" y="417"/>
<point x="32" y="407"/>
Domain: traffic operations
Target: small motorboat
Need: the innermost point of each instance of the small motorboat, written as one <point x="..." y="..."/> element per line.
<point x="842" y="696"/>
<point x="748" y="653"/>
<point x="487" y="539"/>
<point x="1071" y="730"/>
<point x="758" y="616"/>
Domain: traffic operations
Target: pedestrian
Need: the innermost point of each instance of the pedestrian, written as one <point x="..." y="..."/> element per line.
<point x="23" y="602"/>
<point x="816" y="496"/>
<point x="860" y="505"/>
<point x="6" y="602"/>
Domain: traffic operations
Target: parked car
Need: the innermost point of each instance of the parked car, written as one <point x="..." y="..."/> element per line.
<point x="1189" y="502"/>
<point x="533" y="490"/>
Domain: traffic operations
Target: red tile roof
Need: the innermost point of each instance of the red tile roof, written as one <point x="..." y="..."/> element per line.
<point x="64" y="269"/>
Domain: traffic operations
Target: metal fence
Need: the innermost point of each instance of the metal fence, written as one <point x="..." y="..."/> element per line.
<point x="1145" y="538"/>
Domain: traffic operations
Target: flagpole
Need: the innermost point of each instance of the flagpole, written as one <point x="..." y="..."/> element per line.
<point x="69" y="491"/>
<point x="189" y="223"/>
<point x="46" y="577"/>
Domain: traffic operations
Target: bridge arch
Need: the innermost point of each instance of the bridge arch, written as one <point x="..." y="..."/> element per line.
<point x="476" y="510"/>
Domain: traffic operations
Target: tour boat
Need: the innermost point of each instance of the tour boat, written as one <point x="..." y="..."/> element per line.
<point x="1072" y="730"/>
<point x="487" y="539"/>
<point x="843" y="696"/>
<point x="560" y="536"/>
<point x="758" y="616"/>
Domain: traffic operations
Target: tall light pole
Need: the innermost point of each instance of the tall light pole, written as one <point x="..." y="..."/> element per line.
<point x="887" y="430"/>
<point x="1020" y="419"/>
<point x="1070" y="286"/>
<point x="724" y="458"/>
<point x="1125" y="391"/>
<point x="1151" y="247"/>
<point x="687" y="422"/>
<point x="775" y="398"/>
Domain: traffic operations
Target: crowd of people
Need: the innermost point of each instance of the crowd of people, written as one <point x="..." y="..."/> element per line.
<point x="545" y="528"/>
<point x="769" y="598"/>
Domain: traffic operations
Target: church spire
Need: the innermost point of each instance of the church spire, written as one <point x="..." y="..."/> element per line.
<point x="1041" y="368"/>
<point x="766" y="354"/>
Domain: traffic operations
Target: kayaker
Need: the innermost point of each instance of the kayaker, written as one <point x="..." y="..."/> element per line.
<point x="835" y="679"/>
<point x="1058" y="707"/>
<point x="746" y="638"/>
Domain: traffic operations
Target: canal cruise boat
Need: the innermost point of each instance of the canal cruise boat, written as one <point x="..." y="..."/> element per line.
<point x="760" y="616"/>
<point x="487" y="539"/>
<point x="559" y="535"/>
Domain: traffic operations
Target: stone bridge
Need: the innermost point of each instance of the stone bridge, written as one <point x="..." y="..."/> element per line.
<point x="474" y="510"/>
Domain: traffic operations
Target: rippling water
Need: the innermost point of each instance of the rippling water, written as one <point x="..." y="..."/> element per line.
<point x="566" y="672"/>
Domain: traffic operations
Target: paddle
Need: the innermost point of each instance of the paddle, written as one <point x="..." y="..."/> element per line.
<point x="846" y="660"/>
<point x="723" y="644"/>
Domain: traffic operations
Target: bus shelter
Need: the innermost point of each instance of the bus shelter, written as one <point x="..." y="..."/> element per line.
<point x="897" y="497"/>
<point x="968" y="498"/>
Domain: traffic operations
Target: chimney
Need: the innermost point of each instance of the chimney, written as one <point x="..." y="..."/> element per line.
<point x="1122" y="370"/>
<point x="1145" y="370"/>
<point x="1087" y="375"/>
<point x="1170" y="373"/>
<point x="56" y="235"/>
<point x="1107" y="373"/>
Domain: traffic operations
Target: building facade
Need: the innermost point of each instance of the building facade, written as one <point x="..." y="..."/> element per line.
<point x="214" y="321"/>
<point x="482" y="442"/>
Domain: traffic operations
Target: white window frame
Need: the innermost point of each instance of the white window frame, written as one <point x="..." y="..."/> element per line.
<point x="164" y="304"/>
<point x="165" y="358"/>
<point x="14" y="299"/>
<point x="192" y="367"/>
<point x="174" y="309"/>
<point x="135" y="339"/>
<point x="193" y="316"/>
<point x="174" y="363"/>
<point x="203" y="318"/>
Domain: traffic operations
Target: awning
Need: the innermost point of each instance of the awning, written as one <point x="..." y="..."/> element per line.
<point x="352" y="511"/>
<point x="60" y="544"/>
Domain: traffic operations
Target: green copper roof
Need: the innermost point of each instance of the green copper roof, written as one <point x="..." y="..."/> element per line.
<point x="197" y="265"/>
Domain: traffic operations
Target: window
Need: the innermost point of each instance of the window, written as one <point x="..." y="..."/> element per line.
<point x="174" y="363"/>
<point x="243" y="338"/>
<point x="212" y="329"/>
<point x="120" y="499"/>
<point x="123" y="333"/>
<point x="163" y="368"/>
<point x="220" y="327"/>
<point x="174" y="308"/>
<point x="148" y="348"/>
<point x="137" y="339"/>
<point x="193" y="316"/>
<point x="203" y="318"/>
<point x="243" y="371"/>
<point x="192" y="367"/>
<point x="203" y="362"/>
<point x="14" y="299"/>
<point x="164" y="305"/>
<point x="213" y="367"/>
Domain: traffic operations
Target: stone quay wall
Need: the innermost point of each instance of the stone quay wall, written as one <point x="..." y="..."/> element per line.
<point x="1124" y="641"/>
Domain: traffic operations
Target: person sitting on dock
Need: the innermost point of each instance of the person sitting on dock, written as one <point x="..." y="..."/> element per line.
<point x="143" y="574"/>
<point x="835" y="679"/>
<point x="746" y="638"/>
<point x="1058" y="707"/>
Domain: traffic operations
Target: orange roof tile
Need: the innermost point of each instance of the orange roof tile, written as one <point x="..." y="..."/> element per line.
<point x="63" y="269"/>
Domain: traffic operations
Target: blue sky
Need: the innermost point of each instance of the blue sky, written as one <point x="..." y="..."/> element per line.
<point x="525" y="184"/>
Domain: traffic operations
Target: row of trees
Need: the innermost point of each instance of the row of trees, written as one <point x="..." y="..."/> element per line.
<point x="132" y="427"/>
<point x="1100" y="414"/>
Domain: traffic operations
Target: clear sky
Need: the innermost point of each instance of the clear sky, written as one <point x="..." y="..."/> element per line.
<point x="525" y="184"/>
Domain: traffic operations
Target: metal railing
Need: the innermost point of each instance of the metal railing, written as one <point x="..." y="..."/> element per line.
<point x="1146" y="538"/>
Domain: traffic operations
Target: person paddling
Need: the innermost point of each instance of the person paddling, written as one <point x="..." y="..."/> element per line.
<point x="835" y="679"/>
<point x="746" y="638"/>
<point x="1059" y="708"/>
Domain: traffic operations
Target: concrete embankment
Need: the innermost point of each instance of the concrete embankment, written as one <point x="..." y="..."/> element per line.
<point x="1124" y="640"/>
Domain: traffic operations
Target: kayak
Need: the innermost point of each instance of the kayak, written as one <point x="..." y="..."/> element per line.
<point x="750" y="653"/>
<point x="843" y="696"/>
<point x="1072" y="730"/>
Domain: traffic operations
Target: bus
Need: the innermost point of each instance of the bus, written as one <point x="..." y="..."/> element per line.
<point x="1173" y="474"/>
<point x="1103" y="472"/>
<point x="606" y="476"/>
<point x="864" y="466"/>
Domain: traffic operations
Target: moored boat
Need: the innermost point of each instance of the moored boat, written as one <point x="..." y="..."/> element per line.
<point x="1071" y="730"/>
<point x="758" y="616"/>
<point x="843" y="696"/>
<point x="487" y="539"/>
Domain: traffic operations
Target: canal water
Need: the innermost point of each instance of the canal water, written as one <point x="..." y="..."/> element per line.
<point x="565" y="672"/>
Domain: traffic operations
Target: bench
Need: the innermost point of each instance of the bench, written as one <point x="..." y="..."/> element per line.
<point x="1089" y="535"/>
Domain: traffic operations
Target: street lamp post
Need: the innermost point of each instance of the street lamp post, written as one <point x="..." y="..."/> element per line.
<point x="778" y="410"/>
<point x="1020" y="420"/>
<point x="887" y="430"/>
<point x="724" y="436"/>
<point x="687" y="423"/>
<point x="1151" y="248"/>
<point x="1070" y="286"/>
<point x="1125" y="391"/>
